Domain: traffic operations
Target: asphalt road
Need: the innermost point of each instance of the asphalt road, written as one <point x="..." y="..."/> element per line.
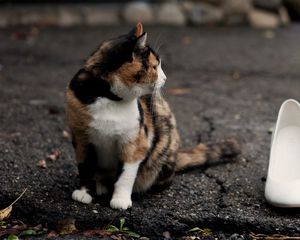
<point x="227" y="81"/>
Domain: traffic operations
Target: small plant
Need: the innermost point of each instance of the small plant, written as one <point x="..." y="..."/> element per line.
<point x="205" y="232"/>
<point x="121" y="229"/>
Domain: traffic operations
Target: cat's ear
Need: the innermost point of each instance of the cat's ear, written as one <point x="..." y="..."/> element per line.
<point x="141" y="42"/>
<point x="137" y="31"/>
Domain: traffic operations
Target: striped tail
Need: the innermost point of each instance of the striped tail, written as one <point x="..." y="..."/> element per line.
<point x="207" y="154"/>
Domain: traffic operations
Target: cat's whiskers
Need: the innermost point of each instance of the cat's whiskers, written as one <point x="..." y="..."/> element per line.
<point x="157" y="41"/>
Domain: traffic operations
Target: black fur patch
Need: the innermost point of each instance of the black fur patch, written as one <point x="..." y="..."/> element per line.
<point x="141" y="112"/>
<point x="87" y="168"/>
<point x="119" y="52"/>
<point x="90" y="88"/>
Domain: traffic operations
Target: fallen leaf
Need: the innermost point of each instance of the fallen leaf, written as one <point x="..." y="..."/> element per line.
<point x="12" y="237"/>
<point x="178" y="91"/>
<point x="52" y="234"/>
<point x="42" y="163"/>
<point x="54" y="155"/>
<point x="97" y="232"/>
<point x="269" y="34"/>
<point x="4" y="213"/>
<point x="112" y="228"/>
<point x="272" y="236"/>
<point x="13" y="230"/>
<point x="66" y="226"/>
<point x="186" y="40"/>
<point x="235" y="75"/>
<point x="54" y="110"/>
<point x="28" y="232"/>
<point x="18" y="36"/>
<point x="132" y="234"/>
<point x="66" y="135"/>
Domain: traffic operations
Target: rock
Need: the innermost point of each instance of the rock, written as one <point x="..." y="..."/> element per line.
<point x="284" y="16"/>
<point x="293" y="7"/>
<point x="134" y="12"/>
<point x="263" y="19"/>
<point x="236" y="19"/>
<point x="213" y="2"/>
<point x="103" y="14"/>
<point x="4" y="18"/>
<point x="68" y="17"/>
<point x="267" y="4"/>
<point x="202" y="13"/>
<point x="33" y="16"/>
<point x="170" y="13"/>
<point x="9" y="16"/>
<point x="235" y="7"/>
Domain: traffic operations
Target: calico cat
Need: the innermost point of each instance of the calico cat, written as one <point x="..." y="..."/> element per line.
<point x="124" y="134"/>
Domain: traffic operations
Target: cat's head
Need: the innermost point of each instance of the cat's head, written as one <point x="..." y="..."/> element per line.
<point x="131" y="66"/>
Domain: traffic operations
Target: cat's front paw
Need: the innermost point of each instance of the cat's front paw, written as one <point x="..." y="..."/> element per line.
<point x="121" y="202"/>
<point x="82" y="196"/>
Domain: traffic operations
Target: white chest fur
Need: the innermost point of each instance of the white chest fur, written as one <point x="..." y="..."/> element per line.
<point x="113" y="123"/>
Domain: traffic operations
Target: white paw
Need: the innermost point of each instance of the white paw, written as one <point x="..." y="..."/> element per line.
<point x="100" y="189"/>
<point x="82" y="196"/>
<point x="121" y="202"/>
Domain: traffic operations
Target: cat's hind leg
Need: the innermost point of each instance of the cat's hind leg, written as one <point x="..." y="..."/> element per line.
<point x="87" y="161"/>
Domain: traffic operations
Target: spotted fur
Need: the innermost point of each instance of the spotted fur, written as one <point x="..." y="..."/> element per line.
<point x="124" y="133"/>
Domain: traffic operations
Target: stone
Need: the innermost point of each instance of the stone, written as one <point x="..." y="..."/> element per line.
<point x="236" y="19"/>
<point x="293" y="6"/>
<point x="235" y="7"/>
<point x="30" y="16"/>
<point x="4" y="18"/>
<point x="134" y="12"/>
<point x="102" y="14"/>
<point x="213" y="2"/>
<point x="9" y="17"/>
<point x="263" y="19"/>
<point x="68" y="17"/>
<point x="170" y="13"/>
<point x="202" y="13"/>
<point x="284" y="16"/>
<point x="267" y="4"/>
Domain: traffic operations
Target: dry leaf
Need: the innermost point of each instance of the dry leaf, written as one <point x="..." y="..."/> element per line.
<point x="269" y="34"/>
<point x="97" y="232"/>
<point x="42" y="163"/>
<point x="4" y="213"/>
<point x="236" y="76"/>
<point x="66" y="226"/>
<point x="178" y="91"/>
<point x="13" y="230"/>
<point x="52" y="234"/>
<point x="186" y="40"/>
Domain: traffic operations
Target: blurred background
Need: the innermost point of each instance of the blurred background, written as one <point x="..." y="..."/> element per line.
<point x="66" y="13"/>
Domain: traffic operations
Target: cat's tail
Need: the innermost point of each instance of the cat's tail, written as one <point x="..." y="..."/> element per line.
<point x="207" y="154"/>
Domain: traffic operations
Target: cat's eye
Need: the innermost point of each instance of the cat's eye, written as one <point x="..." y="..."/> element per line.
<point x="155" y="68"/>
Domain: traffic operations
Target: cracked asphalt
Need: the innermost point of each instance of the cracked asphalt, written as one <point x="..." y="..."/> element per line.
<point x="235" y="80"/>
